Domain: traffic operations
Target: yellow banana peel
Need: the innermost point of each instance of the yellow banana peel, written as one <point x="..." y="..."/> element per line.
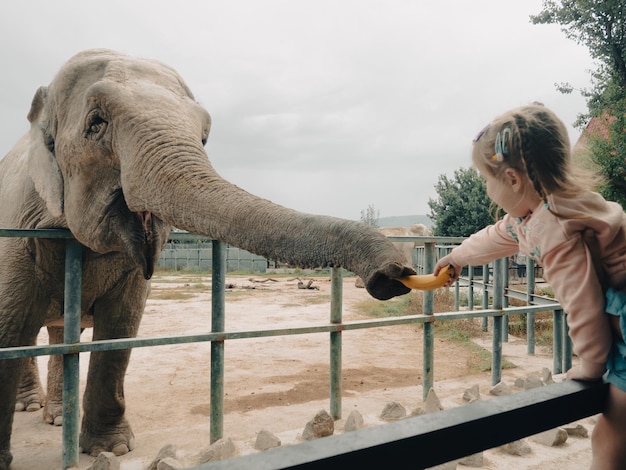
<point x="428" y="281"/>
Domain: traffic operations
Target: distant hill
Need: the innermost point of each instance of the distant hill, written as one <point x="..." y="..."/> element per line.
<point x="404" y="221"/>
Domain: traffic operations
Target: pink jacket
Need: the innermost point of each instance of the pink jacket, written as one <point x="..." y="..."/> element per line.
<point x="568" y="265"/>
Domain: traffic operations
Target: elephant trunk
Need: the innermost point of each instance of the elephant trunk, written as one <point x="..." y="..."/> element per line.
<point x="186" y="192"/>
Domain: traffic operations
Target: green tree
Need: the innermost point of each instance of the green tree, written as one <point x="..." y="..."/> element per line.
<point x="462" y="206"/>
<point x="370" y="216"/>
<point x="608" y="152"/>
<point x="600" y="25"/>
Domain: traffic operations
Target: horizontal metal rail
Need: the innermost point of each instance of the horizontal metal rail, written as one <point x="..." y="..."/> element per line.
<point x="126" y="343"/>
<point x="432" y="439"/>
<point x="39" y="233"/>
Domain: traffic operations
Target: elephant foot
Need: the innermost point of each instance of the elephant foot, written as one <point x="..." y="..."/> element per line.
<point x="118" y="439"/>
<point x="30" y="399"/>
<point x="30" y="395"/>
<point x="53" y="412"/>
<point x="5" y="459"/>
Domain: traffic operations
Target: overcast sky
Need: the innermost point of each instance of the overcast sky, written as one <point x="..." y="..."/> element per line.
<point x="324" y="106"/>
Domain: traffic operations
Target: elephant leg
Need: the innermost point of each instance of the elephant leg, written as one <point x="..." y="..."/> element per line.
<point x="53" y="411"/>
<point x="22" y="312"/>
<point x="117" y="315"/>
<point x="30" y="394"/>
<point x="104" y="427"/>
<point x="11" y="374"/>
<point x="9" y="377"/>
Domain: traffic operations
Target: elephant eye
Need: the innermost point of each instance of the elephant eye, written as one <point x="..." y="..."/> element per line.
<point x="95" y="126"/>
<point x="48" y="141"/>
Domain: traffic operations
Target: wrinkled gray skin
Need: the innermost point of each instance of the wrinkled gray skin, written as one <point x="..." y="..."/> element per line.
<point x="116" y="154"/>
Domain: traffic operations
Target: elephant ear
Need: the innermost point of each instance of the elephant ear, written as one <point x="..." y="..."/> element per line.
<point x="42" y="164"/>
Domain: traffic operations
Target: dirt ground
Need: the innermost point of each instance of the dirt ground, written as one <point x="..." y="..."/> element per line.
<point x="279" y="383"/>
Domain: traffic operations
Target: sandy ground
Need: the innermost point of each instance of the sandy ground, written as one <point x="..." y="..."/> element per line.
<point x="279" y="383"/>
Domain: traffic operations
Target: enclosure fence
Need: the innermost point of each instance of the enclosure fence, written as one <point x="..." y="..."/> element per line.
<point x="186" y="251"/>
<point x="552" y="405"/>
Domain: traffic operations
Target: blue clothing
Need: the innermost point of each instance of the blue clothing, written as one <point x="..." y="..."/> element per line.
<point x="616" y="363"/>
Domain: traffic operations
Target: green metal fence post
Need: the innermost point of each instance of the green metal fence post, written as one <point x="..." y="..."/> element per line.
<point x="71" y="335"/>
<point x="530" y="318"/>
<point x="567" y="347"/>
<point x="217" y="347"/>
<point x="429" y="329"/>
<point x="557" y="341"/>
<point x="336" y="293"/>
<point x="504" y="267"/>
<point x="485" y="295"/>
<point x="498" y="294"/>
<point x="470" y="288"/>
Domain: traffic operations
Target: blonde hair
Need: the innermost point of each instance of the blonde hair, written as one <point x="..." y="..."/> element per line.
<point x="534" y="141"/>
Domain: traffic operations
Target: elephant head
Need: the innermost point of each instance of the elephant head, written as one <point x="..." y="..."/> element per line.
<point x="117" y="154"/>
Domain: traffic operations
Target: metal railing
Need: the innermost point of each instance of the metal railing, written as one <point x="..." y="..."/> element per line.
<point x="432" y="439"/>
<point x="217" y="336"/>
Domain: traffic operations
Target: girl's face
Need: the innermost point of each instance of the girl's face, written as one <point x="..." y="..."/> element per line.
<point x="510" y="192"/>
<point x="499" y="191"/>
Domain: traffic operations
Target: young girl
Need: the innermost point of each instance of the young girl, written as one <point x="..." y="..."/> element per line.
<point x="578" y="237"/>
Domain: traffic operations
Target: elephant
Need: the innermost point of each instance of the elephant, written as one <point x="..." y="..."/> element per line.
<point x="116" y="154"/>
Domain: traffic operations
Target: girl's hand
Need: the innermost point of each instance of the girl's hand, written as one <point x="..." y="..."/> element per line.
<point x="444" y="263"/>
<point x="576" y="373"/>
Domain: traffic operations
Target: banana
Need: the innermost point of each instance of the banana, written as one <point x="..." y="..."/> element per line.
<point x="428" y="281"/>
